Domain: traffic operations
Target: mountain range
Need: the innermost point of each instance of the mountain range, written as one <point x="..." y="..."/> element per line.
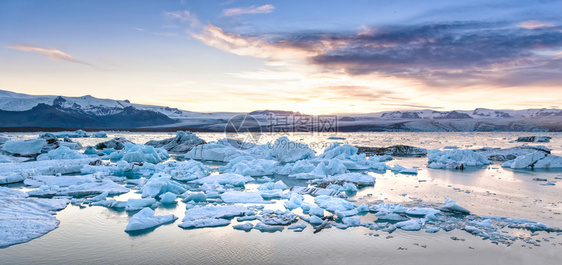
<point x="42" y="111"/>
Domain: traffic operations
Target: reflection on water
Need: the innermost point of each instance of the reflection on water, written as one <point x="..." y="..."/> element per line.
<point x="94" y="235"/>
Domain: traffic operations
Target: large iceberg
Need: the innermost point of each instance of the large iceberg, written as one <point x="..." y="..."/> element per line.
<point x="23" y="219"/>
<point x="24" y="147"/>
<point x="534" y="160"/>
<point x="498" y="154"/>
<point x="183" y="142"/>
<point x="456" y="159"/>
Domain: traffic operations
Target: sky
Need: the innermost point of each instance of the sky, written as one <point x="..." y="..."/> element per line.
<point x="317" y="57"/>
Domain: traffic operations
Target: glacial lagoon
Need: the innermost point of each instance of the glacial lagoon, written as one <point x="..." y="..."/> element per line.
<point x="95" y="234"/>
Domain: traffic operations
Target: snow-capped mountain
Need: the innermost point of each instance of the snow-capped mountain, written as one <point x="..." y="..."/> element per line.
<point x="22" y="110"/>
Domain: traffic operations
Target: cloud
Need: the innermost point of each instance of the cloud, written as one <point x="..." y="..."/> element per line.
<point x="183" y="16"/>
<point x="248" y="10"/>
<point x="443" y="55"/>
<point x="51" y="53"/>
<point x="534" y="24"/>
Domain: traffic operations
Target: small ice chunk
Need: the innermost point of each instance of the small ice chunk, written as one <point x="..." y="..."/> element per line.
<point x="450" y="205"/>
<point x="137" y="204"/>
<point x="245" y="227"/>
<point x="168" y="198"/>
<point x="268" y="228"/>
<point x="24" y="147"/>
<point x="146" y="219"/>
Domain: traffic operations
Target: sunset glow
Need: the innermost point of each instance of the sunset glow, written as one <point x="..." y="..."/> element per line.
<point x="346" y="57"/>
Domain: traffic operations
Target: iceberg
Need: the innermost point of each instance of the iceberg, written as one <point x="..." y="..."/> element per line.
<point x="498" y="154"/>
<point x="242" y="197"/>
<point x="395" y="150"/>
<point x="249" y="166"/>
<point x="361" y="179"/>
<point x="410" y="225"/>
<point x="211" y="216"/>
<point x="244" y="227"/>
<point x="61" y="181"/>
<point x="117" y="143"/>
<point x="183" y="142"/>
<point x="287" y="151"/>
<point x="137" y="204"/>
<point x="220" y="152"/>
<point x="61" y="153"/>
<point x="268" y="228"/>
<point x="455" y="159"/>
<point x="450" y="205"/>
<point x="534" y="160"/>
<point x="24" y="147"/>
<point x="85" y="189"/>
<point x="279" y="185"/>
<point x="277" y="217"/>
<point x="141" y="153"/>
<point x="146" y="219"/>
<point x="23" y="219"/>
<point x="224" y="179"/>
<point x="17" y="172"/>
<point x="332" y="204"/>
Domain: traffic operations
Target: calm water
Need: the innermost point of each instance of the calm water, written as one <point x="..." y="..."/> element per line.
<point x="94" y="235"/>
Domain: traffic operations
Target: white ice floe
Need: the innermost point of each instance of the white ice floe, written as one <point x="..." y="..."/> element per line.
<point x="146" y="219"/>
<point x="332" y="204"/>
<point x="183" y="142"/>
<point x="534" y="160"/>
<point x="249" y="166"/>
<point x="140" y="153"/>
<point x="23" y="219"/>
<point x="362" y="179"/>
<point x="220" y="151"/>
<point x="17" y="172"/>
<point x="11" y="159"/>
<point x="317" y="191"/>
<point x="61" y="181"/>
<point x="74" y="134"/>
<point x="85" y="189"/>
<point x="410" y="225"/>
<point x="168" y="198"/>
<point x="279" y="185"/>
<point x="268" y="228"/>
<point x="137" y="204"/>
<point x="61" y="153"/>
<point x="244" y="227"/>
<point x="225" y="179"/>
<point x="451" y="205"/>
<point x="195" y="196"/>
<point x="277" y="217"/>
<point x="287" y="151"/>
<point x="498" y="154"/>
<point x="242" y="197"/>
<point x="301" y="166"/>
<point x="455" y="159"/>
<point x="298" y="227"/>
<point x="24" y="147"/>
<point x="211" y="215"/>
<point x="333" y="167"/>
<point x="117" y="143"/>
<point x="160" y="183"/>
